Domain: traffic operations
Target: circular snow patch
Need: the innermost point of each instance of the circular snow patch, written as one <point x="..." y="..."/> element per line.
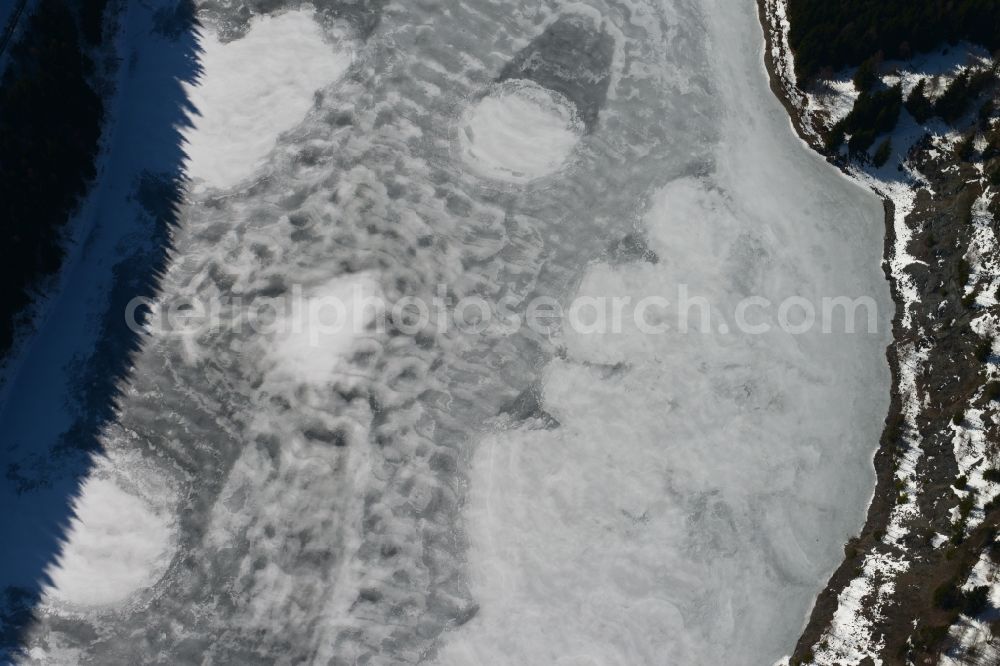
<point x="519" y="132"/>
<point x="116" y="544"/>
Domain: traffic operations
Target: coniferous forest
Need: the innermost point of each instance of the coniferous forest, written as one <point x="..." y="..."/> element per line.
<point x="829" y="35"/>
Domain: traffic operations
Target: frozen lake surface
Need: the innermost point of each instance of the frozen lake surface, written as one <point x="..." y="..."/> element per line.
<point x="509" y="496"/>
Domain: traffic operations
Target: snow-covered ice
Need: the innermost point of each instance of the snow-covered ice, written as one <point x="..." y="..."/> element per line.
<point x="245" y="101"/>
<point x="119" y="541"/>
<point x="519" y="132"/>
<point x="504" y="497"/>
<point x="320" y="328"/>
<point x="667" y="516"/>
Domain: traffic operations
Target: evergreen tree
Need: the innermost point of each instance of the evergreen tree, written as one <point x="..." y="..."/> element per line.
<point x="917" y="103"/>
<point x="846" y="33"/>
<point x="865" y="77"/>
<point x="882" y="153"/>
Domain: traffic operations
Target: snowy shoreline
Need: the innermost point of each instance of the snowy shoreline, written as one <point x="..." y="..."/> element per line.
<point x="781" y="73"/>
<point x="849" y="621"/>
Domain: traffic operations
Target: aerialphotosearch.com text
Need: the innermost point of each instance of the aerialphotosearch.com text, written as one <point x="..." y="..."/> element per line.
<point x="361" y="310"/>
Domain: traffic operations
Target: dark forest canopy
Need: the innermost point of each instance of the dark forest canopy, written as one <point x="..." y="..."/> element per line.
<point x="845" y="33"/>
<point x="873" y="114"/>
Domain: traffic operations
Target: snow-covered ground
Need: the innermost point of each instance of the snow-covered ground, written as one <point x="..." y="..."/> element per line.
<point x="976" y="644"/>
<point x="373" y="496"/>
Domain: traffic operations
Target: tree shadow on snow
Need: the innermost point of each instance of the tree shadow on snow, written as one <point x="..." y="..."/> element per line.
<point x="68" y="379"/>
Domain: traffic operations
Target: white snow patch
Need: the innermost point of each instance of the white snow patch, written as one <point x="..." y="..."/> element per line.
<point x="976" y="645"/>
<point x="849" y="638"/>
<point x="252" y="90"/>
<point x="903" y="198"/>
<point x="322" y="326"/>
<point x="972" y="456"/>
<point x="939" y="540"/>
<point x="834" y="99"/>
<point x="778" y="26"/>
<point x="984" y="267"/>
<point x="519" y="132"/>
<point x="938" y="68"/>
<point x="117" y="544"/>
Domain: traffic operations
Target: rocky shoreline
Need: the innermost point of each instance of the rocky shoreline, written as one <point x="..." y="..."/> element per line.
<point x="904" y="592"/>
